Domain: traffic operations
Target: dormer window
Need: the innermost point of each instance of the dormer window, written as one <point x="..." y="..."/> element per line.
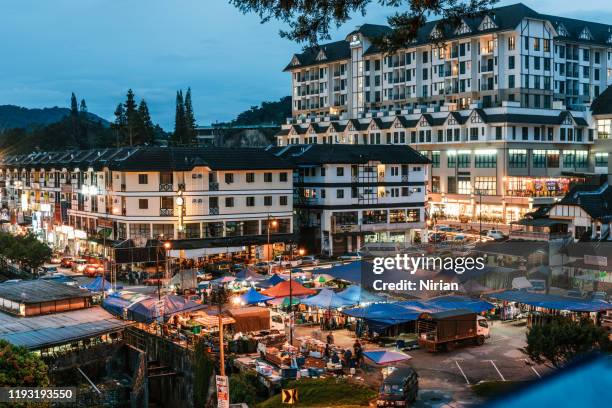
<point x="463" y="29"/>
<point x="476" y="118"/>
<point x="585" y="34"/>
<point x="321" y="55"/>
<point x="436" y="33"/>
<point x="423" y="122"/>
<point x="451" y="121"/>
<point x="609" y="40"/>
<point x="487" y="24"/>
<point x="295" y="61"/>
<point x="562" y="31"/>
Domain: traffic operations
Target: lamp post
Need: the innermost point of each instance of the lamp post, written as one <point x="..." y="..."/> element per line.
<point x="479" y="193"/>
<point x="270" y="223"/>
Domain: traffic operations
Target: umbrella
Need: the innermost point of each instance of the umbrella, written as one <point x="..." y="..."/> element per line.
<point x="383" y="357"/>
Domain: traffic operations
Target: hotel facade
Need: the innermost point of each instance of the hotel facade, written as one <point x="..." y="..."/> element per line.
<point x="204" y="200"/>
<point x="500" y="106"/>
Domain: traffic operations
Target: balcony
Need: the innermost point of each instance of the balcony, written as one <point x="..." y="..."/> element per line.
<point x="166" y="212"/>
<point x="165" y="187"/>
<point x="213" y="211"/>
<point x="213" y="186"/>
<point x="538" y="236"/>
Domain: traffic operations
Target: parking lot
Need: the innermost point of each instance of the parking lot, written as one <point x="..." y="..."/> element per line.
<point x="445" y="379"/>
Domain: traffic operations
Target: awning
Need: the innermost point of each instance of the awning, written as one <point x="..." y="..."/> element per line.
<point x="357" y="295"/>
<point x="285" y="288"/>
<point x="553" y="301"/>
<point x="327" y="299"/>
<point x="252" y="297"/>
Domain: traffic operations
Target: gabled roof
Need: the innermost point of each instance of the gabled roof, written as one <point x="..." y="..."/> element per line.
<point x="335" y="51"/>
<point x="357" y="126"/>
<point x="596" y="201"/>
<point x="317" y="154"/>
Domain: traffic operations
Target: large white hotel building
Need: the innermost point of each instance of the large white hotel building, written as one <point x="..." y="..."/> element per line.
<point x="500" y="106"/>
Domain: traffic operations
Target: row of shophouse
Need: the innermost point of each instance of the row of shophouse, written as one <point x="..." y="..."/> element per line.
<point x="208" y="201"/>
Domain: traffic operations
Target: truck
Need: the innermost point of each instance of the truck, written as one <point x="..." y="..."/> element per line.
<point x="442" y="331"/>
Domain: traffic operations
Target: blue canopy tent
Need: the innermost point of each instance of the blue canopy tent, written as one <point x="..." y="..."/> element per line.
<point x="100" y="284"/>
<point x="553" y="301"/>
<point x="116" y="305"/>
<point x="271" y="281"/>
<point x="327" y="299"/>
<point x="252" y="297"/>
<point x="357" y="295"/>
<point x="350" y="272"/>
<point x="443" y="303"/>
<point x="249" y="275"/>
<point x="146" y="311"/>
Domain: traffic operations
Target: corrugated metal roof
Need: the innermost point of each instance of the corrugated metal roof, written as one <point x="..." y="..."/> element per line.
<point x="44" y="331"/>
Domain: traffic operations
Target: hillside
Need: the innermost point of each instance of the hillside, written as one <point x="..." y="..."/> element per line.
<point x="12" y="116"/>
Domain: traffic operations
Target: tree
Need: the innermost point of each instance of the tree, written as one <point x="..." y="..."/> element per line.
<point x="83" y="108"/>
<point x="131" y="116"/>
<point x="190" y="122"/>
<point x="21" y="368"/>
<point x="74" y="109"/>
<point x="312" y="20"/>
<point x="145" y="129"/>
<point x="119" y="124"/>
<point x="179" y="120"/>
<point x="563" y="339"/>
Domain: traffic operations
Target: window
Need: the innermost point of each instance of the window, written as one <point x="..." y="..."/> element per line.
<point x="413" y="215"/>
<point x="229" y="201"/>
<point x="525" y="133"/>
<point x="536" y="44"/>
<point x="267" y="201"/>
<point x="552" y="159"/>
<point x="435" y="159"/>
<point x="582" y="159"/>
<point x="511" y="62"/>
<point x="451" y="159"/>
<point x="229" y="178"/>
<point x="511" y="43"/>
<point x="375" y="217"/>
<point x="539" y="159"/>
<point x="250" y="177"/>
<point x="486" y="159"/>
<point x="250" y="201"/>
<point x="498" y="133"/>
<point x="485" y="185"/>
<point x="340" y="172"/>
<point x="464" y="185"/>
<point x="517" y="158"/>
<point x="143" y="179"/>
<point x="463" y="159"/>
<point x="452" y="185"/>
<point x="267" y="177"/>
<point x="569" y="158"/>
<point x="283" y="175"/>
<point x="283" y="199"/>
<point x="601" y="159"/>
<point x="603" y="128"/>
<point x="340" y="193"/>
<point x="143" y="203"/>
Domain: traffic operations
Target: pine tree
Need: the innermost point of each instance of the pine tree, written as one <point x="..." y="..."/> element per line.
<point x="145" y="125"/>
<point x="74" y="109"/>
<point x="131" y="116"/>
<point x="179" y="120"/>
<point x="83" y="107"/>
<point x="190" y="123"/>
<point x="119" y="124"/>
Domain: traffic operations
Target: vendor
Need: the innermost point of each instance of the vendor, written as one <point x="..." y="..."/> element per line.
<point x="330" y="338"/>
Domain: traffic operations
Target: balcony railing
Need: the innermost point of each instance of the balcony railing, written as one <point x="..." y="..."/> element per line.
<point x="165" y="187"/>
<point x="213" y="211"/>
<point x="166" y="212"/>
<point x="213" y="186"/>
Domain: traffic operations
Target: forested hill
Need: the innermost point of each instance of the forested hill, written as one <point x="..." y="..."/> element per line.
<point x="267" y="113"/>
<point x="12" y="117"/>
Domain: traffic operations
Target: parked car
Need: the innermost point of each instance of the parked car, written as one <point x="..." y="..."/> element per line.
<point x="598" y="295"/>
<point x="48" y="269"/>
<point x="309" y="260"/>
<point x="263" y="266"/>
<point x="399" y="388"/>
<point x="79" y="265"/>
<point x="411" y="345"/>
<point x="94" y="269"/>
<point x="350" y="256"/>
<point x="286" y="261"/>
<point x="66" y="262"/>
<point x="55" y="259"/>
<point x="436" y="237"/>
<point x="576" y="293"/>
<point x="495" y="234"/>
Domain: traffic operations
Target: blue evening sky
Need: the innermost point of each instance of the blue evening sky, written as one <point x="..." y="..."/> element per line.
<point x="100" y="48"/>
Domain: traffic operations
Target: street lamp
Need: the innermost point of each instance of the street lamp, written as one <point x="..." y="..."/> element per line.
<point x="271" y="223"/>
<point x="479" y="193"/>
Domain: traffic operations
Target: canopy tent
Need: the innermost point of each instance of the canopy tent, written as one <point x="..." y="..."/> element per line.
<point x="284" y="288"/>
<point x="249" y="275"/>
<point x="99" y="284"/>
<point x="119" y="302"/>
<point x="521" y="283"/>
<point x="284" y="301"/>
<point x="212" y="320"/>
<point x="250" y="319"/>
<point x="223" y="280"/>
<point x="187" y="279"/>
<point x="146" y="310"/>
<point x="553" y="301"/>
<point x="322" y="277"/>
<point x="385" y="356"/>
<point x="252" y="297"/>
<point x="350" y="272"/>
<point x="271" y="281"/>
<point x="327" y="299"/>
<point x="382" y="315"/>
<point x="357" y="295"/>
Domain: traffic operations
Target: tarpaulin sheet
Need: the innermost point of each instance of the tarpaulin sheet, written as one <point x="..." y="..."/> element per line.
<point x="252" y="297"/>
<point x="282" y="289"/>
<point x="327" y="299"/>
<point x="250" y="319"/>
<point x="553" y="301"/>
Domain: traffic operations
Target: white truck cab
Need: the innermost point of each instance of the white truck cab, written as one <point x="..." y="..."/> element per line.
<point x="482" y="327"/>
